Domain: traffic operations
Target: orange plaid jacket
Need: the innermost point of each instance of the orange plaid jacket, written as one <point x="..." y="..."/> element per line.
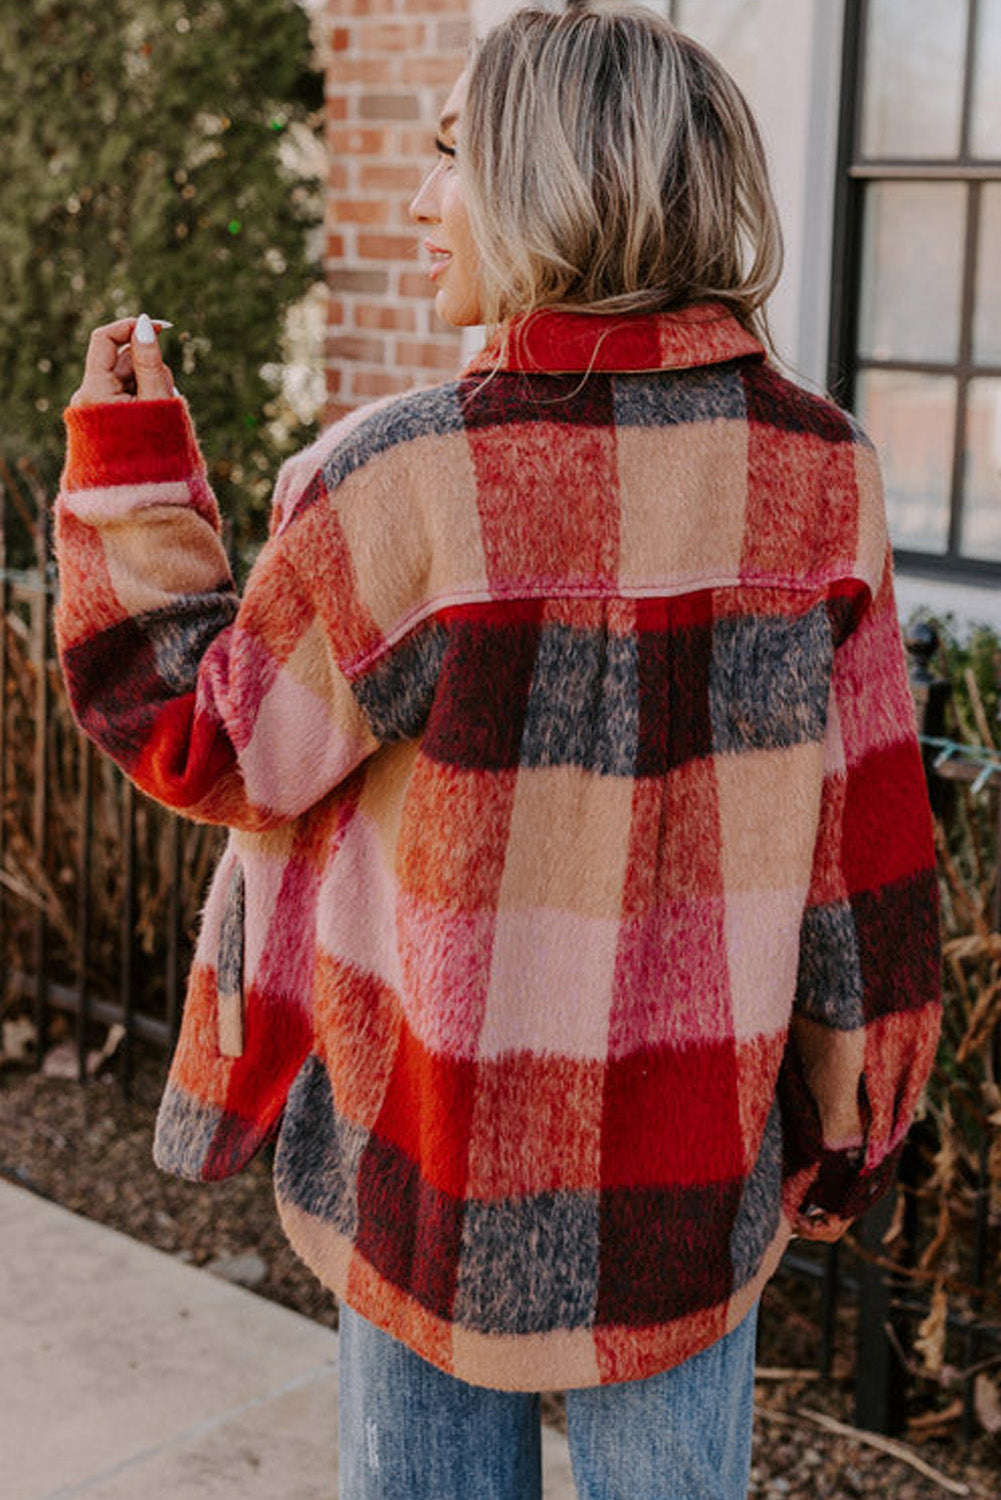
<point x="577" y="926"/>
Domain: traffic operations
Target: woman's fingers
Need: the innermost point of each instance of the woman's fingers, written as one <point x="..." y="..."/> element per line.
<point x="123" y="364"/>
<point x="153" y="380"/>
<point x="100" y="380"/>
<point x="111" y="372"/>
<point x="827" y="1228"/>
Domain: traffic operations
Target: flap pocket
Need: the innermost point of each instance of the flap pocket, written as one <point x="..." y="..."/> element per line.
<point x="229" y="968"/>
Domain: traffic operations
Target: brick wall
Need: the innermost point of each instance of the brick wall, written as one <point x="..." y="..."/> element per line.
<point x="390" y="64"/>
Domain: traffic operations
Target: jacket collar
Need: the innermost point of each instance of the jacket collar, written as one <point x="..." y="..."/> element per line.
<point x="559" y="341"/>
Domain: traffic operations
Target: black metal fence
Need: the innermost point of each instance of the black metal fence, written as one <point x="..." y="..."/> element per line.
<point x="99" y="887"/>
<point x="99" y="899"/>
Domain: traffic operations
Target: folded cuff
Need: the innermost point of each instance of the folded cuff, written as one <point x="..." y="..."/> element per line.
<point x="129" y="442"/>
<point x="845" y="1190"/>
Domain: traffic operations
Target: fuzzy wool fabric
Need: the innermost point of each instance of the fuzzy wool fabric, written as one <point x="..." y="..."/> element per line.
<point x="577" y="927"/>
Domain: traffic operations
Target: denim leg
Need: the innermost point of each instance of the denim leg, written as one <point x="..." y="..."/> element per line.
<point x="410" y="1432"/>
<point x="682" y="1435"/>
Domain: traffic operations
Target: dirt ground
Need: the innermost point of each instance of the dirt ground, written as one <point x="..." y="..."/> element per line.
<point x="89" y="1149"/>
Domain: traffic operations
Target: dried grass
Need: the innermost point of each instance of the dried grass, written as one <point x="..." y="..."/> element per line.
<point x="44" y="877"/>
<point x="951" y="1253"/>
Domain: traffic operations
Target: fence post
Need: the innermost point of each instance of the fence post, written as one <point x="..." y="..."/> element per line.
<point x="880" y="1376"/>
<point x="83" y="903"/>
<point x="981" y="1226"/>
<point x="880" y="1373"/>
<point x="173" y="975"/>
<point x="127" y="934"/>
<point x="40" y="819"/>
<point x="930" y="695"/>
<point x="829" y="1302"/>
<point x="4" y="605"/>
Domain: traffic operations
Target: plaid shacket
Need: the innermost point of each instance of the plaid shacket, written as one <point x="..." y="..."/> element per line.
<point x="578" y="921"/>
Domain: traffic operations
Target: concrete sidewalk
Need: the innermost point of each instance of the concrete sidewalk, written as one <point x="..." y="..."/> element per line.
<point x="125" y="1373"/>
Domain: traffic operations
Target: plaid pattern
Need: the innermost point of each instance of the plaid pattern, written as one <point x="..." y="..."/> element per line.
<point x="578" y="920"/>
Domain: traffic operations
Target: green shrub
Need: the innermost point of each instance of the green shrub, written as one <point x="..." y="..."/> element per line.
<point x="147" y="167"/>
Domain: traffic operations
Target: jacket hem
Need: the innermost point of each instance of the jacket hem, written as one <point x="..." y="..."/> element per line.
<point x="561" y="1360"/>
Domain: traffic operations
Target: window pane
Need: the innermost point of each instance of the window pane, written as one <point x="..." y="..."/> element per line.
<point x="985" y="131"/>
<point x="912" y="264"/>
<point x="913" y="86"/>
<point x="911" y="419"/>
<point x="987" y="313"/>
<point x="982" y="508"/>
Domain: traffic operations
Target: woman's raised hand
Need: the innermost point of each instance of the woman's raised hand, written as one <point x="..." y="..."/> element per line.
<point x="124" y="364"/>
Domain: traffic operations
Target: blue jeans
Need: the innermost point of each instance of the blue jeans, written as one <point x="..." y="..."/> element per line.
<point x="411" y="1432"/>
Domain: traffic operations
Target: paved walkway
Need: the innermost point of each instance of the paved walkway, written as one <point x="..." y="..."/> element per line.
<point x="125" y="1374"/>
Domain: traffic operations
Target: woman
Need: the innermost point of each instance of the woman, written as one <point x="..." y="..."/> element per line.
<point x="576" y="935"/>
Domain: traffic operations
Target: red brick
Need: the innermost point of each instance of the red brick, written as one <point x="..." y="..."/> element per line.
<point x="382" y="70"/>
<point x="427" y="355"/>
<point x="334" y="247"/>
<point x="340" y="38"/>
<point x="386" y="106"/>
<point x="385" y="317"/>
<point x="337" y="107"/>
<point x="400" y="217"/>
<point x="453" y="36"/>
<point x="337" y="176"/>
<point x="350" y="279"/>
<point x="416" y="142"/>
<point x="415" y="284"/>
<point x="358" y="211"/>
<point x="336" y="313"/>
<point x="335" y="380"/>
<point x="387" y="246"/>
<point x="432" y="71"/>
<point x="392" y="36"/>
<point x="365" y="7"/>
<point x="351" y="347"/>
<point x="369" y="383"/>
<point x="353" y="141"/>
<point x="335" y="410"/>
<point x="388" y="177"/>
<point x="442" y="8"/>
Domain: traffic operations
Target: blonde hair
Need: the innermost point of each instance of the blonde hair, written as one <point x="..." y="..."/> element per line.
<point x="610" y="162"/>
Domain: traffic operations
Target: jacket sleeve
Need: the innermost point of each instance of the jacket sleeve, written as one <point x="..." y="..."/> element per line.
<point x="867" y="1007"/>
<point x="231" y="710"/>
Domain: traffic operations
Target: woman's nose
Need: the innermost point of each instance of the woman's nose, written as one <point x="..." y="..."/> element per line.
<point x="423" y="205"/>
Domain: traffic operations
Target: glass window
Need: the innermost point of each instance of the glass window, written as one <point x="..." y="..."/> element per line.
<point x="912" y="269"/>
<point x="911" y="419"/>
<point x="913" y="87"/>
<point x="916" y="332"/>
<point x="987" y="310"/>
<point x="985" y="124"/>
<point x="982" y="510"/>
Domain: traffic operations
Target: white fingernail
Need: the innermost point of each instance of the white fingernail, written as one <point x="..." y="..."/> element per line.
<point x="145" y="333"/>
<point x="175" y="390"/>
<point x="161" y="323"/>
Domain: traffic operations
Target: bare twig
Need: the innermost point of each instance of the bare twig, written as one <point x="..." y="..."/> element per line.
<point x="983" y="879"/>
<point x="953" y="1284"/>
<point x="14" y="493"/>
<point x="889" y="1446"/>
<point x="977" y="705"/>
<point x="957" y="886"/>
<point x="25" y="892"/>
<point x="929" y="1259"/>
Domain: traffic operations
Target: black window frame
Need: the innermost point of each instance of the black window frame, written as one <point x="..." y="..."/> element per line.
<point x="854" y="173"/>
